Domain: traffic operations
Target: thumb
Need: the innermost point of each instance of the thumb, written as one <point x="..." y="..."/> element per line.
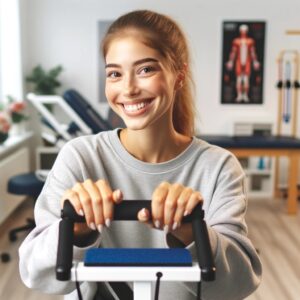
<point x="117" y="196"/>
<point x="143" y="215"/>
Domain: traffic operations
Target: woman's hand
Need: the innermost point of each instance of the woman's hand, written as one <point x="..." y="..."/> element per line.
<point x="95" y="201"/>
<point x="170" y="203"/>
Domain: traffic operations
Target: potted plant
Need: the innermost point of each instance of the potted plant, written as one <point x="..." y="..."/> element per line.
<point x="45" y="83"/>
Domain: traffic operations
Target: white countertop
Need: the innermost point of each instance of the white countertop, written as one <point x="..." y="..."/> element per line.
<point x="13" y="142"/>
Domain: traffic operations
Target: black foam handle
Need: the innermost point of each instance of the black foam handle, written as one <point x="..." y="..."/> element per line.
<point x="203" y="246"/>
<point x="128" y="210"/>
<point x="65" y="249"/>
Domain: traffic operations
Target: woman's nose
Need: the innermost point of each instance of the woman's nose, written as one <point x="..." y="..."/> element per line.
<point x="130" y="86"/>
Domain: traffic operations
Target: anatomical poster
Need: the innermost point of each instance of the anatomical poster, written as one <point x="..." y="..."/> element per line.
<point x="243" y="62"/>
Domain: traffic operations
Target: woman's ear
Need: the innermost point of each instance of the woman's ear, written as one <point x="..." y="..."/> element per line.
<point x="181" y="77"/>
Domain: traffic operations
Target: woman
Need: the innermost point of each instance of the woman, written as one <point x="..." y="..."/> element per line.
<point x="155" y="157"/>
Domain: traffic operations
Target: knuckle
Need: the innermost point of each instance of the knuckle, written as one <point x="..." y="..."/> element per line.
<point x="97" y="200"/>
<point x="170" y="204"/>
<point x="181" y="202"/>
<point x="177" y="186"/>
<point x="108" y="198"/>
<point x="88" y="182"/>
<point x="77" y="186"/>
<point x="164" y="184"/>
<point x="198" y="196"/>
<point x="101" y="182"/>
<point x="85" y="200"/>
<point x="189" y="191"/>
<point x="158" y="199"/>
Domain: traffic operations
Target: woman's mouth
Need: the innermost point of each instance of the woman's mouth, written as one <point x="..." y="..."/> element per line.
<point x="136" y="108"/>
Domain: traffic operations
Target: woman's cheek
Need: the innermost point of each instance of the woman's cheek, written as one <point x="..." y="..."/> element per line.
<point x="110" y="93"/>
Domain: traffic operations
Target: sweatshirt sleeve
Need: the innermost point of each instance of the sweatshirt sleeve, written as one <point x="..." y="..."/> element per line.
<point x="238" y="267"/>
<point x="39" y="250"/>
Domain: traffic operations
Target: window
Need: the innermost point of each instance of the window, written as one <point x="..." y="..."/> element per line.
<point x="11" y="81"/>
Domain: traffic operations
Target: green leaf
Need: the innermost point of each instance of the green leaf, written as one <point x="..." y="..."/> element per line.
<point x="44" y="82"/>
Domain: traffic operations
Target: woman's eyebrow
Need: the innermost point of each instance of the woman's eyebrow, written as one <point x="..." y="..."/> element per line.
<point x="138" y="62"/>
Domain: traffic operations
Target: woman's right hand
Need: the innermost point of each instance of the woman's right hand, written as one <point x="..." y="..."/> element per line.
<point x="95" y="201"/>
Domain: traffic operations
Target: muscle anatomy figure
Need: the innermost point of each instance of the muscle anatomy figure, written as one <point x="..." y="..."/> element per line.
<point x="242" y="55"/>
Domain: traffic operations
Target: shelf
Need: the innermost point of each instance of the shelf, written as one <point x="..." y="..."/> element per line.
<point x="14" y="141"/>
<point x="259" y="194"/>
<point x="266" y="172"/>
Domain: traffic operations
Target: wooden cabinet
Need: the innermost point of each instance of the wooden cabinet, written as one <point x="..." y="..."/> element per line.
<point x="14" y="160"/>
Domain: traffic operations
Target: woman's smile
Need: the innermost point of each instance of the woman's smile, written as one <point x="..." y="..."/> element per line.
<point x="137" y="108"/>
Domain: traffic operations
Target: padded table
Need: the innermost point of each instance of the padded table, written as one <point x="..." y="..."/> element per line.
<point x="277" y="146"/>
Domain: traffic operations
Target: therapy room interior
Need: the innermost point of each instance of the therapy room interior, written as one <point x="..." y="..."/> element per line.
<point x="245" y="62"/>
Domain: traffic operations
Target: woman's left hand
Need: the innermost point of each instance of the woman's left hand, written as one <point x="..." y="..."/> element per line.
<point x="170" y="203"/>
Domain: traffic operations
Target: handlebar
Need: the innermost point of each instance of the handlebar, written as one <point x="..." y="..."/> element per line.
<point x="127" y="210"/>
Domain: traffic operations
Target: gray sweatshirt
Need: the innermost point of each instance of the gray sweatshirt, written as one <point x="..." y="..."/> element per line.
<point x="211" y="170"/>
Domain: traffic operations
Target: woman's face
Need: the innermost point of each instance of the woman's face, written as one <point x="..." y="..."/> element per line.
<point x="139" y="87"/>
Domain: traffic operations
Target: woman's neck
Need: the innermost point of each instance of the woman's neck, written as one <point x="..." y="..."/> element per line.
<point x="154" y="146"/>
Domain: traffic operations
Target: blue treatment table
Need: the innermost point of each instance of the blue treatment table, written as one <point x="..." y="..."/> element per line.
<point x="277" y="146"/>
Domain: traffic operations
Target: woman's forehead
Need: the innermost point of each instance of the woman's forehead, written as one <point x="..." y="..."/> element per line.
<point x="129" y="48"/>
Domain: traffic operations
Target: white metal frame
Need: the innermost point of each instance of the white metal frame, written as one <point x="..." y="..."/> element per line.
<point x="143" y="278"/>
<point x="39" y="102"/>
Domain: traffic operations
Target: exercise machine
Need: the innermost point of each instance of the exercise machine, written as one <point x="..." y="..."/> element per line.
<point x="130" y="268"/>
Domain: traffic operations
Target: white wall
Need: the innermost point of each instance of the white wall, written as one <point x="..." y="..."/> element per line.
<point x="10" y="54"/>
<point x="65" y="32"/>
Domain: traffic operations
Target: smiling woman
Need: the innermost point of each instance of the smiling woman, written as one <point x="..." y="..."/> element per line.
<point x="156" y="157"/>
<point x="139" y="87"/>
<point x="167" y="50"/>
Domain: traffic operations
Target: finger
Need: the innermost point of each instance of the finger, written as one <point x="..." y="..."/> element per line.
<point x="158" y="202"/>
<point x="86" y="204"/>
<point x="74" y="199"/>
<point x="96" y="201"/>
<point x="171" y="205"/>
<point x="143" y="215"/>
<point x="107" y="200"/>
<point x="181" y="207"/>
<point x="195" y="198"/>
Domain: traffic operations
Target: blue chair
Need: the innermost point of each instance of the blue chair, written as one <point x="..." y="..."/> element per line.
<point x="24" y="184"/>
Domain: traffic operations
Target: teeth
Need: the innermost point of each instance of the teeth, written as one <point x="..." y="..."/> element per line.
<point x="135" y="107"/>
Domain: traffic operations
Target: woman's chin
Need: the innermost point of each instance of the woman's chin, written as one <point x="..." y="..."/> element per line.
<point x="135" y="127"/>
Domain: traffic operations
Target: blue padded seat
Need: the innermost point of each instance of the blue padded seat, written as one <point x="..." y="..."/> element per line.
<point x="89" y="115"/>
<point x="25" y="184"/>
<point x="85" y="111"/>
<point x="28" y="185"/>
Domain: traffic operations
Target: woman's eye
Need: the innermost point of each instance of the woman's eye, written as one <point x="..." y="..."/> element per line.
<point x="146" y="70"/>
<point x="113" y="74"/>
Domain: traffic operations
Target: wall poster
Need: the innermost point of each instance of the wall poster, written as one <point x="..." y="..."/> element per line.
<point x="243" y="62"/>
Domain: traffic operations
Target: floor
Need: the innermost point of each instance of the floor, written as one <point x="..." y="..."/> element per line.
<point x="274" y="233"/>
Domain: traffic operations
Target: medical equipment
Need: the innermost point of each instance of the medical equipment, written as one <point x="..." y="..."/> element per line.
<point x="63" y="131"/>
<point x="142" y="276"/>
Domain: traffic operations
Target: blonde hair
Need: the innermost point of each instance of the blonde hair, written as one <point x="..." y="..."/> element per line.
<point x="165" y="36"/>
